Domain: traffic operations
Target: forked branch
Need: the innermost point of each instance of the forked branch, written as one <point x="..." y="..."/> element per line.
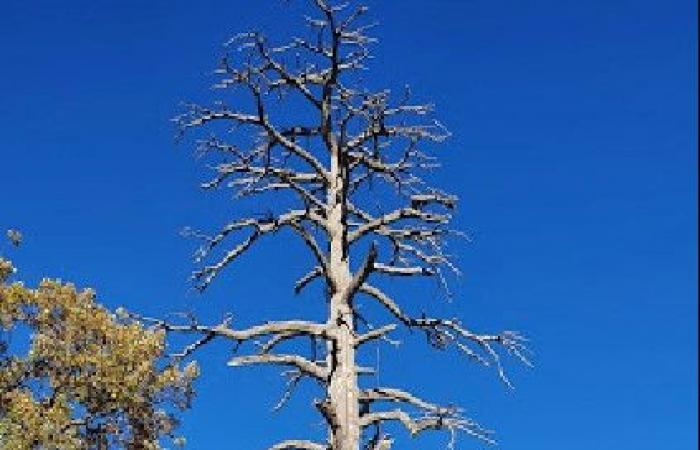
<point x="441" y="333"/>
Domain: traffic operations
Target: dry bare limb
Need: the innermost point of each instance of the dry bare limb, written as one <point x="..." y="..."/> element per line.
<point x="430" y="416"/>
<point x="443" y="332"/>
<point x="298" y="445"/>
<point x="417" y="425"/>
<point x="305" y="366"/>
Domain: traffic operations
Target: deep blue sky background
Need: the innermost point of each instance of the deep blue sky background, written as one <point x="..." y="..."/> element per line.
<point x="573" y="151"/>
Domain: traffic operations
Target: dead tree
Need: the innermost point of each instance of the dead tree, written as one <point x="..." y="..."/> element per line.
<point x="341" y="145"/>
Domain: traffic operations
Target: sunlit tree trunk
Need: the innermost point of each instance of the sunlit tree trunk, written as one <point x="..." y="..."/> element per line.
<point x="343" y="392"/>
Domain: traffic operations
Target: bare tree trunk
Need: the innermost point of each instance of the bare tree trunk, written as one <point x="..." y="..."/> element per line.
<point x="343" y="391"/>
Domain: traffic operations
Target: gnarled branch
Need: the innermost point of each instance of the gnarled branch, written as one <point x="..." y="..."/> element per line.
<point x="417" y="425"/>
<point x="443" y="332"/>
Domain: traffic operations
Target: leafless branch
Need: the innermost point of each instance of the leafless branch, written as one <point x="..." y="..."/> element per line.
<point x="259" y="226"/>
<point x="294" y="376"/>
<point x="443" y="332"/>
<point x="298" y="445"/>
<point x="304" y="365"/>
<point x="426" y="422"/>
<point x="314" y="273"/>
<point x="377" y="333"/>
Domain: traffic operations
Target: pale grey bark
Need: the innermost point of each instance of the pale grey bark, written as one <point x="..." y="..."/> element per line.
<point x="356" y="141"/>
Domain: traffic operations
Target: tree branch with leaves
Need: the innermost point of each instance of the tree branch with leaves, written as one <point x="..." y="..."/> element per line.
<point x="90" y="380"/>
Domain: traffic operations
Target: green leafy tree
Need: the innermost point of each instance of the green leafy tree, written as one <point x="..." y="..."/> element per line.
<point x="89" y="380"/>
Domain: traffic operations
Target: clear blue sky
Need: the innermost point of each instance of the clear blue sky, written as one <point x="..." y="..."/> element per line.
<point x="573" y="151"/>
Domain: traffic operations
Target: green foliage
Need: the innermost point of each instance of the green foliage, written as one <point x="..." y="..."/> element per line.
<point x="89" y="380"/>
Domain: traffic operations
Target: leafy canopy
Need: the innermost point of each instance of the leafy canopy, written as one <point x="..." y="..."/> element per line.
<point x="90" y="379"/>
